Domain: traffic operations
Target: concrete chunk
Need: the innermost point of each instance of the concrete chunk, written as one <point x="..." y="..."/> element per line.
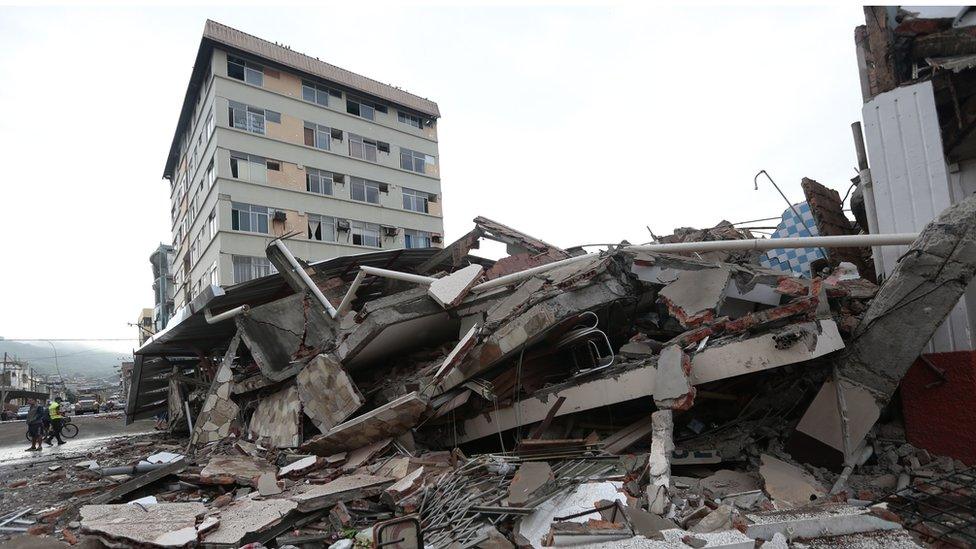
<point x="695" y="296"/>
<point x="450" y="290"/>
<point x="327" y="393"/>
<point x="248" y="515"/>
<point x="344" y="488"/>
<point x="159" y="525"/>
<point x="789" y="486"/>
<point x="277" y="420"/>
<point x="386" y="421"/>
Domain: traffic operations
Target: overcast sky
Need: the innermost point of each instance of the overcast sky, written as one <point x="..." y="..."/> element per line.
<point x="574" y="124"/>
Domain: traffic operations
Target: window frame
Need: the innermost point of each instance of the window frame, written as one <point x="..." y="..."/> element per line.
<point x="318" y="133"/>
<point x="322" y="175"/>
<point x="323" y="221"/>
<point x="411" y="234"/>
<point x="363" y="227"/>
<point x="367" y="186"/>
<point x="365" y="145"/>
<point x="248" y="68"/>
<point x="248" y="217"/>
<point x="409" y="119"/>
<point x="414" y="196"/>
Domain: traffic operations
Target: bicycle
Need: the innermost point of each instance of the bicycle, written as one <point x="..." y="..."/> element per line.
<point x="68" y="429"/>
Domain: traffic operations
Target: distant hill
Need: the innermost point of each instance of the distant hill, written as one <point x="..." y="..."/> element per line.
<point x="73" y="358"/>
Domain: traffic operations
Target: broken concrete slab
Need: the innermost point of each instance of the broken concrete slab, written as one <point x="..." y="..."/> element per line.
<point x="405" y="486"/>
<point x="323" y="375"/>
<point x="451" y="289"/>
<point x="719" y="519"/>
<point x="695" y="296"/>
<point x="832" y="519"/>
<point x="248" y="515"/>
<point x="342" y="489"/>
<point x="243" y="470"/>
<point x="277" y="420"/>
<point x="932" y="276"/>
<point x="299" y="467"/>
<point x="862" y="413"/>
<point x="762" y="352"/>
<point x="725" y="482"/>
<point x="160" y="525"/>
<point x="356" y="458"/>
<point x="530" y="477"/>
<point x="535" y="526"/>
<point x="647" y="524"/>
<point x="672" y="387"/>
<point x="284" y="334"/>
<point x="386" y="421"/>
<point x="787" y="485"/>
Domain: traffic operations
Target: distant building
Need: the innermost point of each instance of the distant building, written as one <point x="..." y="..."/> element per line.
<point x="125" y="378"/>
<point x="274" y="143"/>
<point x="163" y="291"/>
<point x="145" y="325"/>
<point x="19" y="375"/>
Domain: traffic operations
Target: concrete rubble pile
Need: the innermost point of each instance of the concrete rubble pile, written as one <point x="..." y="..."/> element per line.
<point x="628" y="397"/>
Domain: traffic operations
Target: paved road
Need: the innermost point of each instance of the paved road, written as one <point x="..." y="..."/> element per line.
<point x="91" y="430"/>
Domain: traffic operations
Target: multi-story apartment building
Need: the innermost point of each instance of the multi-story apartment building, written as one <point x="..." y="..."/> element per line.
<point x="273" y="143"/>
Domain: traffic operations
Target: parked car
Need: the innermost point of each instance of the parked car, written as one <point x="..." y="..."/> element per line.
<point x="22" y="412"/>
<point x="87" y="405"/>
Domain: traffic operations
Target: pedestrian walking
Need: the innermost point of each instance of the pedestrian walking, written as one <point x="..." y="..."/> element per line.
<point x="57" y="422"/>
<point x="35" y="425"/>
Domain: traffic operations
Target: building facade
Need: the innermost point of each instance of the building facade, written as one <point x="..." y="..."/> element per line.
<point x="163" y="288"/>
<point x="272" y="143"/>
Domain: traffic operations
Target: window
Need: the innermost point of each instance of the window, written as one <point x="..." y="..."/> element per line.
<point x="211" y="124"/>
<point x="319" y="181"/>
<point x="321" y="228"/>
<point x="211" y="175"/>
<point x="365" y="234"/>
<point x="415" y="200"/>
<point x="274" y="165"/>
<point x="414" y="161"/>
<point x="213" y="274"/>
<point x="318" y="136"/>
<point x="248" y="71"/>
<point x="248" y="167"/>
<point x="410" y="119"/>
<point x="416" y="239"/>
<point x="364" y="190"/>
<point x="315" y="93"/>
<point x="248" y="268"/>
<point x="248" y="217"/>
<point x="247" y="118"/>
<point x="212" y="224"/>
<point x="363" y="108"/>
<point x="360" y="147"/>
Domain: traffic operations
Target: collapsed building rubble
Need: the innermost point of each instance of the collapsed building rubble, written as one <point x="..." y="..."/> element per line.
<point x="552" y="398"/>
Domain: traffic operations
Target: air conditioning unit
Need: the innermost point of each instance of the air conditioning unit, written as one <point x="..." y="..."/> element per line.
<point x="437" y="238"/>
<point x="342" y="225"/>
<point x="390" y="231"/>
<point x="280" y="216"/>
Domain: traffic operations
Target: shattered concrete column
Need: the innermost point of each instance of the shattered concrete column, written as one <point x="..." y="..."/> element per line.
<point x="659" y="462"/>
<point x="924" y="287"/>
<point x="672" y="391"/>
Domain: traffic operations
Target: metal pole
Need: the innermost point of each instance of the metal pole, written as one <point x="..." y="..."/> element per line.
<point x="351" y="293"/>
<point x="213" y="319"/>
<point x="397" y="275"/>
<point x="312" y="287"/>
<point x="515" y="277"/>
<point x="843" y="241"/>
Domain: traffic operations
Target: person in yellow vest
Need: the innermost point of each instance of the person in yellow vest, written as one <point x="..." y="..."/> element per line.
<point x="57" y="421"/>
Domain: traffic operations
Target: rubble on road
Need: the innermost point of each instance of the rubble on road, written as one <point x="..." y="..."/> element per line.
<point x="628" y="397"/>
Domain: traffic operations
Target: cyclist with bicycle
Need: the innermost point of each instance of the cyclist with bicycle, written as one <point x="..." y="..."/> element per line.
<point x="57" y="422"/>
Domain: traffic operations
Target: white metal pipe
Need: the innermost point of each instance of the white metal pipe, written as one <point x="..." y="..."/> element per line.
<point x="515" y="277"/>
<point x="312" y="287"/>
<point x="213" y="319"/>
<point x="397" y="275"/>
<point x="843" y="241"/>
<point x="351" y="293"/>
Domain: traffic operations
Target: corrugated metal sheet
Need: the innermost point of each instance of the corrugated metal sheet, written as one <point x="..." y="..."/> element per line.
<point x="290" y="58"/>
<point x="911" y="184"/>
